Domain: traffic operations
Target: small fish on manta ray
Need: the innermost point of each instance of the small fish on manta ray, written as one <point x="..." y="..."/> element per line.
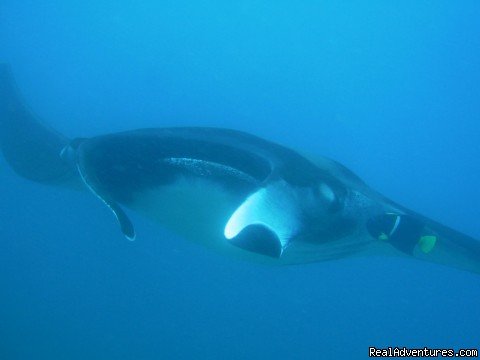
<point x="228" y="190"/>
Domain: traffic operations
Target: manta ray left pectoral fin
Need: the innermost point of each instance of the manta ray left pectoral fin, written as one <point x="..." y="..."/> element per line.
<point x="126" y="225"/>
<point x="265" y="222"/>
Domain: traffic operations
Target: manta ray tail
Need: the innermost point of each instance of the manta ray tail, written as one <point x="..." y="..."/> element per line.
<point x="31" y="148"/>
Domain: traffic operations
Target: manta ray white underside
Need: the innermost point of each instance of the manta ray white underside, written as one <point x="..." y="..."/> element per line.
<point x="230" y="191"/>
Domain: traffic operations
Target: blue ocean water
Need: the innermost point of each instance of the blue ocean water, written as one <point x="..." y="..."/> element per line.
<point x="390" y="89"/>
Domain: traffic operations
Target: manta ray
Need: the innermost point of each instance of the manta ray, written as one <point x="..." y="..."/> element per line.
<point x="233" y="192"/>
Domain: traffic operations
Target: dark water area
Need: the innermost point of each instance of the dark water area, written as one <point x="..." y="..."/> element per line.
<point x="389" y="89"/>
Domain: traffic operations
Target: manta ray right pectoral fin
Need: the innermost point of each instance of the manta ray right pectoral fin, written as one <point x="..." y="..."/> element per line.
<point x="265" y="222"/>
<point x="126" y="225"/>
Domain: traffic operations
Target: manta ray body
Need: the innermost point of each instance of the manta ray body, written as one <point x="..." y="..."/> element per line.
<point x="233" y="192"/>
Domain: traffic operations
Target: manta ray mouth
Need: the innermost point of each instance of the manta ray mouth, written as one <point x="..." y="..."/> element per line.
<point x="208" y="168"/>
<point x="128" y="163"/>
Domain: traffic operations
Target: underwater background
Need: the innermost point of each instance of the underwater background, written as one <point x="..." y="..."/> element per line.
<point x="389" y="89"/>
